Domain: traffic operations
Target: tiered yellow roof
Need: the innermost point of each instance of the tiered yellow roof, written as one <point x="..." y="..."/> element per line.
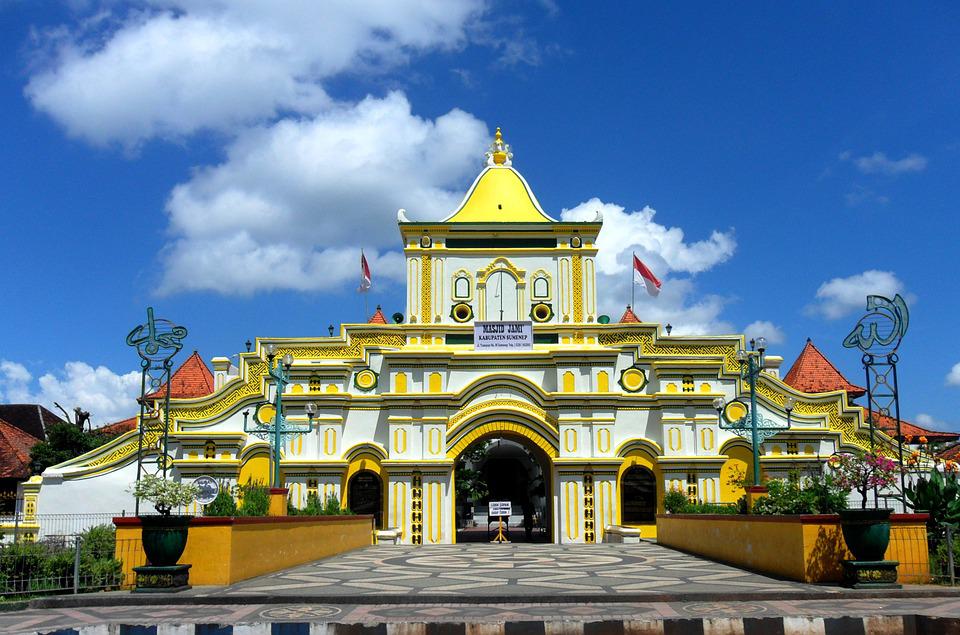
<point x="499" y="194"/>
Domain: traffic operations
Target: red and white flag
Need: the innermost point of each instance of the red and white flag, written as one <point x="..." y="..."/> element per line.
<point x="365" y="280"/>
<point x="641" y="273"/>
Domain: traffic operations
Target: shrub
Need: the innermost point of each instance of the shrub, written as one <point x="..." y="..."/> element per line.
<point x="709" y="508"/>
<point x="674" y="502"/>
<point x="254" y="499"/>
<point x="222" y="505"/>
<point x="799" y="495"/>
<point x="329" y="507"/>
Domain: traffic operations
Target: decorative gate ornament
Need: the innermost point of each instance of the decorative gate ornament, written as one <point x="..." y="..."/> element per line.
<point x="878" y="335"/>
<point x="157" y="342"/>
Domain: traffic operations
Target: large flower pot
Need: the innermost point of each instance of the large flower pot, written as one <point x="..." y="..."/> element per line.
<point x="866" y="532"/>
<point x="164" y="538"/>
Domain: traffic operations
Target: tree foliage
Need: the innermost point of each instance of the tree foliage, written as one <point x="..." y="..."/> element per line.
<point x="65" y="441"/>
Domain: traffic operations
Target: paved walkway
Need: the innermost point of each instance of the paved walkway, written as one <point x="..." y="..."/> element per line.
<point x="475" y="589"/>
<point x="822" y="617"/>
<point x="510" y="570"/>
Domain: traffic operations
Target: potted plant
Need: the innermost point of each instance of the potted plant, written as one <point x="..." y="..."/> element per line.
<point x="866" y="531"/>
<point x="164" y="534"/>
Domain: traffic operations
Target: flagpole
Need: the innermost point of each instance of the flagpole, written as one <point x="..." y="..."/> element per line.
<point x="633" y="280"/>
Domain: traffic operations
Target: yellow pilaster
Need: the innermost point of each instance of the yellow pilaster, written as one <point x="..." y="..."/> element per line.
<point x="426" y="277"/>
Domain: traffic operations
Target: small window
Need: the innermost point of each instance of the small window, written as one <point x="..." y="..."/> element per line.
<point x="688" y="383"/>
<point x="791" y="447"/>
<point x="210" y="450"/>
<point x="461" y="288"/>
<point x="315" y="384"/>
<point x="541" y="288"/>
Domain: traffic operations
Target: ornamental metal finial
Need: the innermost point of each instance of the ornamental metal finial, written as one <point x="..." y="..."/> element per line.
<point x="499" y="152"/>
<point x="880" y="331"/>
<point x="158" y="340"/>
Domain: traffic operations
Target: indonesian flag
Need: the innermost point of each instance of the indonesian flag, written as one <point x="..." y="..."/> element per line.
<point x="641" y="273"/>
<point x="365" y="280"/>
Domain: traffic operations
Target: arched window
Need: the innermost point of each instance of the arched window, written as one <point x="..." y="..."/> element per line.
<point x="501" y="297"/>
<point x="638" y="496"/>
<point x="461" y="288"/>
<point x="541" y="288"/>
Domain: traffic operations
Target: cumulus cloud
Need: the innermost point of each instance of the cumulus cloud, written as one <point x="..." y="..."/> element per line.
<point x="666" y="251"/>
<point x="293" y="202"/>
<point x="171" y="67"/>
<point x="839" y="297"/>
<point x="929" y="421"/>
<point x="953" y="377"/>
<point x="764" y="328"/>
<point x="880" y="163"/>
<point x="108" y="396"/>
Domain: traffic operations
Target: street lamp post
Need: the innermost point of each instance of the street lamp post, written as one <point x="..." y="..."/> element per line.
<point x="281" y="376"/>
<point x="269" y="419"/>
<point x="759" y="428"/>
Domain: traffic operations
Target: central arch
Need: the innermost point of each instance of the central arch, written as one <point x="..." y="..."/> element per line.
<point x="515" y="463"/>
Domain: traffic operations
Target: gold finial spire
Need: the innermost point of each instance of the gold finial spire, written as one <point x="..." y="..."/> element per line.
<point x="499" y="153"/>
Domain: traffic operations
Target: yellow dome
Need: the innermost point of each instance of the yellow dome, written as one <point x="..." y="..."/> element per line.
<point x="499" y="195"/>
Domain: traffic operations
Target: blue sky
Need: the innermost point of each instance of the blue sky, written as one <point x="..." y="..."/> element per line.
<point x="225" y="162"/>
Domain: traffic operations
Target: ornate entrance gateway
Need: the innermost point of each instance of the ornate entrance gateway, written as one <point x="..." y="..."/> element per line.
<point x="503" y="469"/>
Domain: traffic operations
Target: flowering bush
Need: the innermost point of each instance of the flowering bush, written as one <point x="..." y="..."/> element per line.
<point x="165" y="495"/>
<point x="862" y="471"/>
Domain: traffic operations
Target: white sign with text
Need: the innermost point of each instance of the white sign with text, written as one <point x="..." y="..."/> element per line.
<point x="503" y="336"/>
<point x="500" y="508"/>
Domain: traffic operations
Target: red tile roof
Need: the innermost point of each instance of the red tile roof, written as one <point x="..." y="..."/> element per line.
<point x="118" y="427"/>
<point x="32" y="418"/>
<point x="629" y="316"/>
<point x="15" y="445"/>
<point x="952" y="453"/>
<point x="192" y="379"/>
<point x="812" y="372"/>
<point x="910" y="431"/>
<point x="378" y="317"/>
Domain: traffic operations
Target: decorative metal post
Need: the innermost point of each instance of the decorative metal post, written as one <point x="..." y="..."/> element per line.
<point x="878" y="335"/>
<point x="751" y="422"/>
<point x="269" y="420"/>
<point x="157" y="342"/>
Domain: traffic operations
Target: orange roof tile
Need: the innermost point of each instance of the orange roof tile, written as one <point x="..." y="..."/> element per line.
<point x="192" y="379"/>
<point x="812" y="372"/>
<point x="378" y="317"/>
<point x="629" y="316"/>
<point x="118" y="427"/>
<point x="15" y="445"/>
<point x="910" y="430"/>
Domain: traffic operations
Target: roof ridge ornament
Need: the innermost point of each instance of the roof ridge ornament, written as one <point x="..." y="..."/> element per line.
<point x="499" y="152"/>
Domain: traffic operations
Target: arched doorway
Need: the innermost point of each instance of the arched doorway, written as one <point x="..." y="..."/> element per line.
<point x="365" y="495"/>
<point x="638" y="496"/>
<point x="503" y="467"/>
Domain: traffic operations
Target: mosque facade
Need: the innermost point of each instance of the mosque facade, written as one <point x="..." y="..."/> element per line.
<point x="613" y="414"/>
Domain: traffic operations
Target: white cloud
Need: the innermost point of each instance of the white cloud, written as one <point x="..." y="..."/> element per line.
<point x="859" y="195"/>
<point x="105" y="394"/>
<point x="880" y="163"/>
<point x="664" y="250"/>
<point x="841" y="296"/>
<point x="171" y="67"/>
<point x="953" y="377"/>
<point x="928" y="421"/>
<point x="764" y="328"/>
<point x="293" y="202"/>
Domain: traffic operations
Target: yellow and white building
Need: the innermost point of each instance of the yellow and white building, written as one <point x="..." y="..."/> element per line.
<point x="612" y="411"/>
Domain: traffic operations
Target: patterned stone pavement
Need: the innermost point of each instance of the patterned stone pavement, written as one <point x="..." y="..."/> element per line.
<point x="477" y="589"/>
<point x="510" y="570"/>
<point x="820" y="616"/>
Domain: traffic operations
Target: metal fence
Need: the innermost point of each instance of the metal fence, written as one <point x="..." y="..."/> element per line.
<point x="21" y="527"/>
<point x="90" y="561"/>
